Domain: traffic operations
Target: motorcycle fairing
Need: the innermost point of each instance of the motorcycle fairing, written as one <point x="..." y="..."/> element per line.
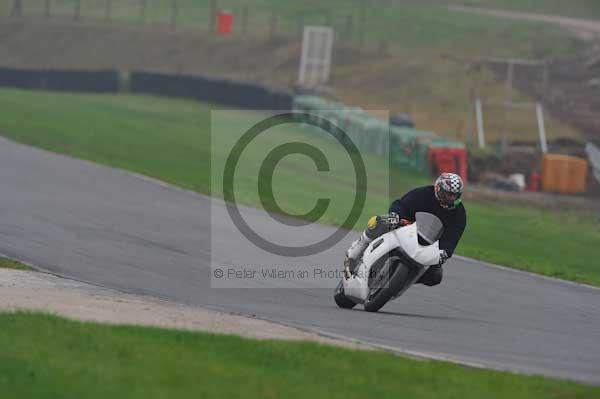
<point x="404" y="239"/>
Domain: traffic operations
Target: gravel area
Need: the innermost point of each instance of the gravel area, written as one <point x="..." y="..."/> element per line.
<point x="35" y="291"/>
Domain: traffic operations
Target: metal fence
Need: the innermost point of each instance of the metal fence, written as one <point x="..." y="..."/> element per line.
<point x="250" y="17"/>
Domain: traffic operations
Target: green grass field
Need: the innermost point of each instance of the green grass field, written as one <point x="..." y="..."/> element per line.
<point x="48" y="357"/>
<point x="169" y="139"/>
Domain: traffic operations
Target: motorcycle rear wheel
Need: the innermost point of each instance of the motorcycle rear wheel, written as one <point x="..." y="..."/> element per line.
<point x="340" y="297"/>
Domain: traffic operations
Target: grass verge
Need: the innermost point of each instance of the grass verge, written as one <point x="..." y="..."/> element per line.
<point x="170" y="140"/>
<point x="47" y="356"/>
<point x="6" y="263"/>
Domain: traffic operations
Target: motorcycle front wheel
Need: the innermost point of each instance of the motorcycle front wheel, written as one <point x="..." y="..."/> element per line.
<point x="385" y="282"/>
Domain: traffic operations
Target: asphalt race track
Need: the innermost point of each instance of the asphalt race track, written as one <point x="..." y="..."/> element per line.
<point x="120" y="230"/>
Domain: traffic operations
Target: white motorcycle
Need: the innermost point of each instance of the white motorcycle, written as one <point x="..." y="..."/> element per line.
<point x="391" y="264"/>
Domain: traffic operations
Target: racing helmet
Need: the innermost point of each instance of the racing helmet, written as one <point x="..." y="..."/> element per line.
<point x="448" y="188"/>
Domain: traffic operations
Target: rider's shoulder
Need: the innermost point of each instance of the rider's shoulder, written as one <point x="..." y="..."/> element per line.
<point x="422" y="190"/>
<point x="425" y="192"/>
<point x="419" y="194"/>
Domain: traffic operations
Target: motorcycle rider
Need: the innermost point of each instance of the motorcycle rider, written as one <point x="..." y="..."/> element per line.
<point x="442" y="199"/>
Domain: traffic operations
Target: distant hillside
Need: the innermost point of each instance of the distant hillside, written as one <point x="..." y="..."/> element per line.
<point x="415" y="59"/>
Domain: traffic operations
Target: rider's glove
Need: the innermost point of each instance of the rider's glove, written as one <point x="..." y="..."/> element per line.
<point x="392" y="219"/>
<point x="443" y="257"/>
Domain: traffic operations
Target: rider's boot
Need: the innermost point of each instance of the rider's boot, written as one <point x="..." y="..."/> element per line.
<point x="354" y="252"/>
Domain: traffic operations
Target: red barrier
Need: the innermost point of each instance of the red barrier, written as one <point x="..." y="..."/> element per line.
<point x="224" y="23"/>
<point x="452" y="160"/>
<point x="535" y="181"/>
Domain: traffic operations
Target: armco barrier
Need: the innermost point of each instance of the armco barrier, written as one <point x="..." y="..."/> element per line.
<point x="63" y="80"/>
<point x="202" y="88"/>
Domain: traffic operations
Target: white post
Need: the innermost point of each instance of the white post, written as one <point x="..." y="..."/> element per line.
<point x="327" y="50"/>
<point x="479" y="115"/>
<point x="509" y="80"/>
<point x="540" y="120"/>
<point x="303" y="57"/>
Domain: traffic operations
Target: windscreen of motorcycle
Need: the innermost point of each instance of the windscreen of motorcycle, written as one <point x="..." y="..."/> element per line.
<point x="429" y="227"/>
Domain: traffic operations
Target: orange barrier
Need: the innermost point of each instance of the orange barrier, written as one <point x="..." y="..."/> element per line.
<point x="564" y="174"/>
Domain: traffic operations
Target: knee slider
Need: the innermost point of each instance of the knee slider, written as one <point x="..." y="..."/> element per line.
<point x="433" y="278"/>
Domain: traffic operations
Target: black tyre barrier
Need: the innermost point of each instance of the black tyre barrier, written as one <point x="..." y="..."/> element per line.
<point x="202" y="88"/>
<point x="103" y="81"/>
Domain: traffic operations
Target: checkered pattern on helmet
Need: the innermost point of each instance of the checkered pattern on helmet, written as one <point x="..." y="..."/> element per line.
<point x="450" y="182"/>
